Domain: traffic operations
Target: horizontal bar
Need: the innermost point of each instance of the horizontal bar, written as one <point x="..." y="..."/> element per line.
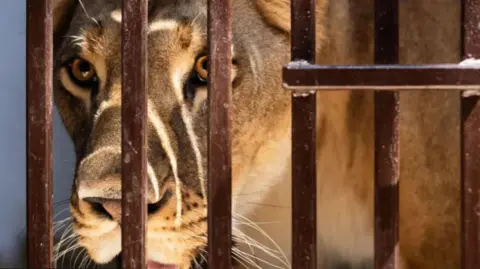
<point x="301" y="75"/>
<point x="219" y="134"/>
<point x="304" y="212"/>
<point x="39" y="133"/>
<point x="386" y="141"/>
<point x="134" y="138"/>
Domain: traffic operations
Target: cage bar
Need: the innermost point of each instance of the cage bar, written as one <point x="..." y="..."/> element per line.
<point x="304" y="213"/>
<point x="470" y="145"/>
<point x="219" y="134"/>
<point x="134" y="139"/>
<point x="39" y="133"/>
<point x="381" y="77"/>
<point x="386" y="141"/>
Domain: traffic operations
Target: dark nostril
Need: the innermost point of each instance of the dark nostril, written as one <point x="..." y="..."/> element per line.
<point x="114" y="208"/>
<point x="154" y="207"/>
<point x="110" y="208"/>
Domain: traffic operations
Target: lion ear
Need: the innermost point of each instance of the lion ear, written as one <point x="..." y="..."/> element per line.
<point x="277" y="12"/>
<point x="62" y="14"/>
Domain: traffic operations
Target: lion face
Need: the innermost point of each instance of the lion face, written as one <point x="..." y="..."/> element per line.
<point x="88" y="96"/>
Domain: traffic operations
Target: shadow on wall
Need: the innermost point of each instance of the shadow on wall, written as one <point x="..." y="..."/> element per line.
<point x="13" y="141"/>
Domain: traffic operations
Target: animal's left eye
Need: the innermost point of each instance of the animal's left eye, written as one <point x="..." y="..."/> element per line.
<point x="201" y="68"/>
<point x="82" y="72"/>
<point x="198" y="77"/>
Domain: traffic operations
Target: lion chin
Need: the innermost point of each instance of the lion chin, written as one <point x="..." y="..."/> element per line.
<point x="155" y="265"/>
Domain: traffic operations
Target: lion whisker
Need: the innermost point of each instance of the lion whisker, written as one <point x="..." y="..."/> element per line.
<point x="251" y="242"/>
<point x="241" y="255"/>
<point x="237" y="250"/>
<point x="77" y="256"/>
<point x="259" y="229"/>
<point x="64" y="239"/>
<point x="86" y="259"/>
<point x="245" y="239"/>
<point x="236" y="230"/>
<point x="262" y="248"/>
<point x="58" y="225"/>
<point x="260" y="204"/>
<point x="58" y="213"/>
<point x="70" y="248"/>
<point x="193" y="258"/>
<point x="88" y="15"/>
<point x="71" y="239"/>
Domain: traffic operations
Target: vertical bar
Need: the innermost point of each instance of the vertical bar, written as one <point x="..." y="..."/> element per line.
<point x="134" y="139"/>
<point x="39" y="133"/>
<point x="304" y="213"/>
<point x="470" y="145"/>
<point x="219" y="134"/>
<point x="386" y="140"/>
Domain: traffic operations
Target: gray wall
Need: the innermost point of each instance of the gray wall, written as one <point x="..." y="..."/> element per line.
<point x="12" y="139"/>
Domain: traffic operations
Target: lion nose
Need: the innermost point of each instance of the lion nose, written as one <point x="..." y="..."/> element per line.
<point x="113" y="208"/>
<point x="99" y="175"/>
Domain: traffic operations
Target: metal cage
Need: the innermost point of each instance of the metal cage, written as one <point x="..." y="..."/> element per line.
<point x="303" y="78"/>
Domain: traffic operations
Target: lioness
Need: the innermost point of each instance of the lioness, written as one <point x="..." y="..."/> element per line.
<point x="88" y="96"/>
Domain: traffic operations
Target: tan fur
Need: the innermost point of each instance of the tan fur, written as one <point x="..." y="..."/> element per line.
<point x="429" y="196"/>
<point x="261" y="136"/>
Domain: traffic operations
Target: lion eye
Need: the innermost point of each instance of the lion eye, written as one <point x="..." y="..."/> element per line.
<point x="201" y="68"/>
<point x="82" y="72"/>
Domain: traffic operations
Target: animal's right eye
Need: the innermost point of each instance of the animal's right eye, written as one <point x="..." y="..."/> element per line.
<point x="82" y="72"/>
<point x="198" y="78"/>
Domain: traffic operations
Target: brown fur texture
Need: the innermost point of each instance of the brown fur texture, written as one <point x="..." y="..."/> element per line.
<point x="429" y="195"/>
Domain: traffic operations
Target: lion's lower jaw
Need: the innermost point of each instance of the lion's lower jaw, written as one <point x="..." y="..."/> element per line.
<point x="154" y="265"/>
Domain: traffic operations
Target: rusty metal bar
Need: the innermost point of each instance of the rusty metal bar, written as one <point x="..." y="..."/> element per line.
<point x="386" y="141"/>
<point x="470" y="145"/>
<point x="304" y="213"/>
<point x="381" y="77"/>
<point x="134" y="138"/>
<point x="39" y="133"/>
<point x="219" y="134"/>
